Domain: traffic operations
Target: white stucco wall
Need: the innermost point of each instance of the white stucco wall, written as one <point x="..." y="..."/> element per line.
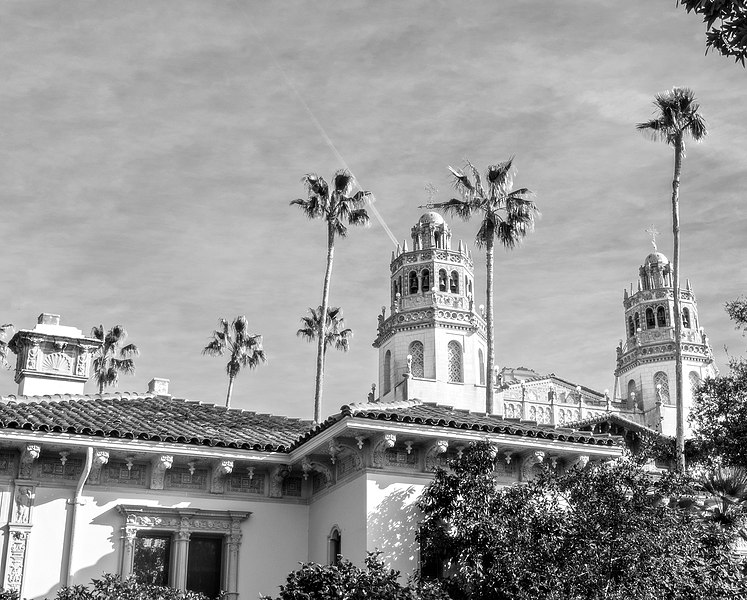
<point x="274" y="537"/>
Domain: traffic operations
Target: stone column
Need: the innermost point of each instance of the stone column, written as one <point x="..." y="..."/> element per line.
<point x="232" y="542"/>
<point x="180" y="556"/>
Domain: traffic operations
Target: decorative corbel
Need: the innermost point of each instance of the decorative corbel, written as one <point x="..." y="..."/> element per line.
<point x="533" y="458"/>
<point x="158" y="470"/>
<point x="277" y="476"/>
<point x="579" y="462"/>
<point x="30" y="453"/>
<point x="345" y="449"/>
<point x="359" y="440"/>
<point x="100" y="458"/>
<point x="307" y="466"/>
<point x="218" y="474"/>
<point x="380" y="446"/>
<point x="431" y="455"/>
<point x="334" y="450"/>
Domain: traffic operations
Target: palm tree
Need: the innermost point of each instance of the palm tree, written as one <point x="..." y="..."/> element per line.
<point x="727" y="488"/>
<point x="244" y="350"/>
<point x="4" y="345"/>
<point x="507" y="216"/>
<point x="337" y="208"/>
<point x="112" y="357"/>
<point x="335" y="333"/>
<point x="676" y="118"/>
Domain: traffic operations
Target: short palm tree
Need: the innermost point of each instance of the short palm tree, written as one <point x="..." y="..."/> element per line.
<point x="243" y="349"/>
<point x="727" y="488"/>
<point x="676" y="117"/>
<point x="112" y="357"/>
<point x="335" y="333"/>
<point x="4" y="345"/>
<point x="506" y="215"/>
<point x="337" y="208"/>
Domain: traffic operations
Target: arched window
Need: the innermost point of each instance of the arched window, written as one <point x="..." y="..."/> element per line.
<point x="661" y="317"/>
<point x="334" y="545"/>
<point x="481" y="363"/>
<point x="413" y="282"/>
<point x="686" y="318"/>
<point x="631" y="327"/>
<point x="694" y="381"/>
<point x="631" y="389"/>
<point x="454" y="283"/>
<point x="469" y="287"/>
<point x="650" y="319"/>
<point x="454" y="350"/>
<point x="437" y="238"/>
<point x="442" y="281"/>
<point x="637" y="321"/>
<point x="416" y="351"/>
<point x="387" y="383"/>
<point x="661" y="385"/>
<point x="425" y="280"/>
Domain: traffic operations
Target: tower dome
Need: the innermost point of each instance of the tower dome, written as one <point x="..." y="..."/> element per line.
<point x="656" y="258"/>
<point x="431" y="217"/>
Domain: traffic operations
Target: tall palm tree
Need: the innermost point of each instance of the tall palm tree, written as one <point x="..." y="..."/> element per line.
<point x="337" y="208"/>
<point x="506" y="215"/>
<point x="676" y="117"/>
<point x="244" y="350"/>
<point x="113" y="357"/>
<point x="4" y="345"/>
<point x="335" y="333"/>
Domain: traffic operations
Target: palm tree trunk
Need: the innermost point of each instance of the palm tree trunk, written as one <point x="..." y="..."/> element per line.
<point x="230" y="391"/>
<point x="679" y="404"/>
<point x="489" y="318"/>
<point x="322" y="322"/>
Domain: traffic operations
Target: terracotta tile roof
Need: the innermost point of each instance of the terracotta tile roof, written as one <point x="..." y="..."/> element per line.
<point x="432" y="414"/>
<point x="152" y="418"/>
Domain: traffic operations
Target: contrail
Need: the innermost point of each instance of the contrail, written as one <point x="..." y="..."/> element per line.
<point x="327" y="139"/>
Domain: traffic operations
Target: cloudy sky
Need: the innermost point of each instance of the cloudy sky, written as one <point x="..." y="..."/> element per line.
<point x="149" y="151"/>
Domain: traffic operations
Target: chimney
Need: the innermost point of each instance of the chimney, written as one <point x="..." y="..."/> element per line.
<point x="48" y="319"/>
<point x="159" y="387"/>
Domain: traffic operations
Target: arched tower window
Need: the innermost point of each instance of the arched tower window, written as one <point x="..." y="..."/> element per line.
<point x="413" y="282"/>
<point x="437" y="239"/>
<point x="335" y="546"/>
<point x="631" y="389"/>
<point x="387" y="383"/>
<point x="686" y="318"/>
<point x="425" y="280"/>
<point x="650" y="319"/>
<point x="694" y="381"/>
<point x="481" y="363"/>
<point x="454" y="283"/>
<point x="661" y="317"/>
<point x="631" y="327"/>
<point x="416" y="351"/>
<point x="637" y="319"/>
<point x="442" y="280"/>
<point x="661" y="385"/>
<point x="454" y="350"/>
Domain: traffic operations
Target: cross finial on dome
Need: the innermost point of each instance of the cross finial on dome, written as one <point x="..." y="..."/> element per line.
<point x="653" y="233"/>
<point x="431" y="190"/>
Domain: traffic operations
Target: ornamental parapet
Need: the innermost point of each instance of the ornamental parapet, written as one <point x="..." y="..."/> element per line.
<point x="425" y="256"/>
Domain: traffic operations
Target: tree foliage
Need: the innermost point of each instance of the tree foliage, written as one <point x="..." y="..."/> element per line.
<point x="345" y="581"/>
<point x="335" y="332"/>
<point x="113" y="357"/>
<point x="243" y="349"/>
<point x="726" y="25"/>
<point x="4" y="329"/>
<point x="608" y="531"/>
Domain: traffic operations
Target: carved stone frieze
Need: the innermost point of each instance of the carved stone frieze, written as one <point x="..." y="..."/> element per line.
<point x="528" y="463"/>
<point x="277" y="476"/>
<point x="307" y="466"/>
<point x="29" y="455"/>
<point x="218" y="476"/>
<point x="159" y="466"/>
<point x="16" y="559"/>
<point x="380" y="446"/>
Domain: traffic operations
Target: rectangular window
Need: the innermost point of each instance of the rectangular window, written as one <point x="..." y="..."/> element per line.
<point x="152" y="559"/>
<point x="204" y="565"/>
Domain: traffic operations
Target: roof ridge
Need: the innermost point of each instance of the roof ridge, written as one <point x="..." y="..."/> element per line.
<point x="355" y="407"/>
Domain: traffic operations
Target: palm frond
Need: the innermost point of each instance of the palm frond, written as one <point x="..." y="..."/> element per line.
<point x="344" y="181"/>
<point x="97" y="332"/>
<point x="312" y="207"/>
<point x="315" y="185"/>
<point x="461" y="181"/>
<point x="215" y="348"/>
<point x="129" y="350"/>
<point x="697" y="127"/>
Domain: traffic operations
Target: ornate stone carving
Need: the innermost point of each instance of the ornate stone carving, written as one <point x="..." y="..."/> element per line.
<point x="81" y="366"/>
<point x="380" y="446"/>
<point x="57" y="362"/>
<point x="16" y="559"/>
<point x="158" y="470"/>
<point x="30" y="454"/>
<point x="431" y="455"/>
<point x="334" y="450"/>
<point x="218" y="476"/>
<point x="32" y="358"/>
<point x="24" y="501"/>
<point x="527" y="464"/>
<point x="307" y="466"/>
<point x="100" y="458"/>
<point x="277" y="476"/>
<point x="579" y="462"/>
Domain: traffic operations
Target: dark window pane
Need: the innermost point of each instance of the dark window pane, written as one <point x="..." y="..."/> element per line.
<point x="204" y="565"/>
<point x="151" y="563"/>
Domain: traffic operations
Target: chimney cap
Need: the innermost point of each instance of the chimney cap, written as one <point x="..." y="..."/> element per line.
<point x="159" y="387"/>
<point x="48" y="319"/>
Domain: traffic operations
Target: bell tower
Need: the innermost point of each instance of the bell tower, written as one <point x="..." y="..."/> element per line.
<point x="645" y="373"/>
<point x="432" y="346"/>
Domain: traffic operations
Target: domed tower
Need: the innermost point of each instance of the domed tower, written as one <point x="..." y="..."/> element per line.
<point x="645" y="373"/>
<point x="432" y="346"/>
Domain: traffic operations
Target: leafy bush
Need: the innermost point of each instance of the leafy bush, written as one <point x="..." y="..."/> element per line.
<point x="112" y="587"/>
<point x="345" y="581"/>
<point x="8" y="595"/>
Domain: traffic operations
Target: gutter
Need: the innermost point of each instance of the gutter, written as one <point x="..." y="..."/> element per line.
<point x="76" y="501"/>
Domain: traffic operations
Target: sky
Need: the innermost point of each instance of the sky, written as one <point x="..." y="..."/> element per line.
<point x="150" y="150"/>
